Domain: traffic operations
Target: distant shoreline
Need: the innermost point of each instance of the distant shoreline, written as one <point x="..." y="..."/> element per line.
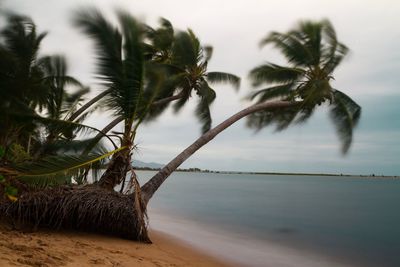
<point x="272" y="173"/>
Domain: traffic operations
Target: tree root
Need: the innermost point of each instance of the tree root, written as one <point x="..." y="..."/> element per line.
<point x="87" y="208"/>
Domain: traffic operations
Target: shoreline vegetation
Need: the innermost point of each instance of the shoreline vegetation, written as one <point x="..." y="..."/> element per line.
<point x="271" y="173"/>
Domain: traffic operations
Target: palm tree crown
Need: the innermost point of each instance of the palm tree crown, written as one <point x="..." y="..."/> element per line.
<point x="189" y="62"/>
<point x="313" y="52"/>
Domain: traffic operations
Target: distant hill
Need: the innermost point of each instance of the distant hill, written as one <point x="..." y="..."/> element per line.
<point x="141" y="164"/>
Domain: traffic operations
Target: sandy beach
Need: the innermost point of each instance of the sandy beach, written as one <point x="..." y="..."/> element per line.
<point x="48" y="248"/>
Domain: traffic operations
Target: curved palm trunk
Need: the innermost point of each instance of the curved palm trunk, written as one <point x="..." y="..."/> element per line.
<point x="156" y="181"/>
<point x="108" y="128"/>
<point x="82" y="109"/>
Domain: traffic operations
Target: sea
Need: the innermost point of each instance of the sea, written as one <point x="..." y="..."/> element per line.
<point x="282" y="220"/>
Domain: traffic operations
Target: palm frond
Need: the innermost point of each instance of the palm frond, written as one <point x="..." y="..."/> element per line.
<point x="21" y="38"/>
<point x="185" y="52"/>
<point x="292" y="48"/>
<point x="128" y="95"/>
<point x="272" y="73"/>
<point x="310" y="34"/>
<point x="57" y="169"/>
<point x="165" y="90"/>
<point x="207" y="96"/>
<point x="280" y="118"/>
<point x="61" y="126"/>
<point x="278" y="91"/>
<point x="108" y="43"/>
<point x="73" y="146"/>
<point x="163" y="37"/>
<point x="335" y="57"/>
<point x="71" y="101"/>
<point x="208" y="51"/>
<point x="345" y="114"/>
<point x="223" y="77"/>
<point x="178" y="105"/>
<point x="156" y="77"/>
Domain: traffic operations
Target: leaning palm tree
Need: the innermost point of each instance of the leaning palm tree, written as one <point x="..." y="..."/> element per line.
<point x="313" y="52"/>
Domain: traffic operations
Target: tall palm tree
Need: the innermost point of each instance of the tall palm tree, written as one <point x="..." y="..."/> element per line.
<point x="121" y="68"/>
<point x="313" y="52"/>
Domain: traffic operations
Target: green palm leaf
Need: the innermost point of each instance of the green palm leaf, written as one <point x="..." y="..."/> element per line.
<point x="108" y="41"/>
<point x="279" y="118"/>
<point x="313" y="52"/>
<point x="73" y="146"/>
<point x="72" y="101"/>
<point x="281" y="91"/>
<point x="57" y="169"/>
<point x="223" y="77"/>
<point x="62" y="126"/>
<point x="185" y="50"/>
<point x="345" y="114"/>
<point x="128" y="95"/>
<point x="292" y="48"/>
<point x="271" y="73"/>
<point x="207" y="96"/>
<point x="164" y="36"/>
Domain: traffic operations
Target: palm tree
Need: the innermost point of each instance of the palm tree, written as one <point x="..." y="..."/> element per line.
<point x="189" y="63"/>
<point x="21" y="77"/>
<point x="138" y="89"/>
<point x="32" y="86"/>
<point x="313" y="52"/>
<point x="121" y="68"/>
<point x="60" y="103"/>
<point x="184" y="61"/>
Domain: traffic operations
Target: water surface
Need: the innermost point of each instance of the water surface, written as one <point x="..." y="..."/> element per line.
<point x="325" y="221"/>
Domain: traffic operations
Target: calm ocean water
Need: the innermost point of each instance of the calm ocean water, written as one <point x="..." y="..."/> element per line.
<point x="280" y="220"/>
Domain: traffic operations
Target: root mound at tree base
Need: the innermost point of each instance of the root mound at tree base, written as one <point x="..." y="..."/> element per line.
<point x="88" y="208"/>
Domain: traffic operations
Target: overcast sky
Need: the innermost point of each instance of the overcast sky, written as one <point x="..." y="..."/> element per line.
<point x="370" y="75"/>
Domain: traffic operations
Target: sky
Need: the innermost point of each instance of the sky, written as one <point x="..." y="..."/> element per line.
<point x="370" y="75"/>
